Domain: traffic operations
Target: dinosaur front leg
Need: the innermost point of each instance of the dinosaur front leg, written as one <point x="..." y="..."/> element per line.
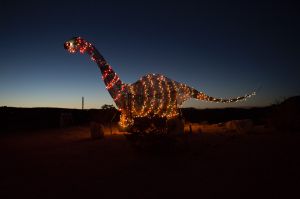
<point x="125" y="121"/>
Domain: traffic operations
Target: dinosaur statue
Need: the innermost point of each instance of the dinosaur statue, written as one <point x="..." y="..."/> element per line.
<point x="152" y="95"/>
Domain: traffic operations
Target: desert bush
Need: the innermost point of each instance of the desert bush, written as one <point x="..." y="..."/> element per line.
<point x="66" y="119"/>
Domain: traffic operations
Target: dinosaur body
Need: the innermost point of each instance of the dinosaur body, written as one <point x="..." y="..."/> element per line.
<point x="151" y="95"/>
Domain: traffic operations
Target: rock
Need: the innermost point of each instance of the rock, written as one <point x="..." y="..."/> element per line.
<point x="97" y="130"/>
<point x="239" y="126"/>
<point x="175" y="126"/>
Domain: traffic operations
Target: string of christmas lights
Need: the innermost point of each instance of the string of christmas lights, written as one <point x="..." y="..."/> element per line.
<point x="152" y="95"/>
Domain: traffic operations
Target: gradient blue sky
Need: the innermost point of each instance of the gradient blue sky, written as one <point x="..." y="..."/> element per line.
<point x="223" y="48"/>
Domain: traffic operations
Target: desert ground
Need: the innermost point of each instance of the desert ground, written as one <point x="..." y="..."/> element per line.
<point x="68" y="163"/>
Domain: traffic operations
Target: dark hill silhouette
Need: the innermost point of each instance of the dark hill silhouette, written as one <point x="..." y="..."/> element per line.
<point x="28" y="119"/>
<point x="282" y="116"/>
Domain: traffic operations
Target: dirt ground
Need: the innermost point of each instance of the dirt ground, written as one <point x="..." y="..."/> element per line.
<point x="67" y="163"/>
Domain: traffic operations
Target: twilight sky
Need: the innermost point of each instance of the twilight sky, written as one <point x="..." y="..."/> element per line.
<point x="223" y="48"/>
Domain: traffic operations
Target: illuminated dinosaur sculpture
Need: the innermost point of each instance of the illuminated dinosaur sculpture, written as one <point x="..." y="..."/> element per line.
<point x="152" y="95"/>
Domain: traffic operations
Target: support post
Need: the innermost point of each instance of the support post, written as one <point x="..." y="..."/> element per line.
<point x="82" y="103"/>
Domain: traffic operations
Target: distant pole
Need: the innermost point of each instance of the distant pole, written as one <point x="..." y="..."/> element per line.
<point x="82" y="103"/>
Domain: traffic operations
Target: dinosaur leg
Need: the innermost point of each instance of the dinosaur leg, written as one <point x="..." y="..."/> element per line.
<point x="125" y="121"/>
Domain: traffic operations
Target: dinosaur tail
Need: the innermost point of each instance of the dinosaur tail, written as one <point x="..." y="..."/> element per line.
<point x="202" y="96"/>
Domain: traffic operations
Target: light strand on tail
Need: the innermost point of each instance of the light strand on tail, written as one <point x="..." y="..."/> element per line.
<point x="204" y="97"/>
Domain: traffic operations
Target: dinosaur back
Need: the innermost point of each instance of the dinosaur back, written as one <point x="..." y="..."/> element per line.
<point x="152" y="95"/>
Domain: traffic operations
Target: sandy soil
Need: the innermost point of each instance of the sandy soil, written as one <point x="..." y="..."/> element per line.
<point x="67" y="163"/>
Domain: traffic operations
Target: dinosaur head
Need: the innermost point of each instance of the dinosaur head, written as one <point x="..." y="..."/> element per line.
<point x="76" y="44"/>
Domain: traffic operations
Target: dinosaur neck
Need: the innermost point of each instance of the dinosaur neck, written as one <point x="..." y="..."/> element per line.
<point x="112" y="81"/>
